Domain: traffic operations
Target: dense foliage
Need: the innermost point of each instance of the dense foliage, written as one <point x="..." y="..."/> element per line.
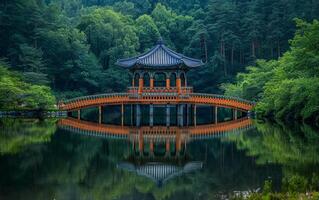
<point x="288" y="87"/>
<point x="72" y="45"/>
<point x="15" y="93"/>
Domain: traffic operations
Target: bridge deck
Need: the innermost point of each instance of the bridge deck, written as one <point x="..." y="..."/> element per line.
<point x="156" y="98"/>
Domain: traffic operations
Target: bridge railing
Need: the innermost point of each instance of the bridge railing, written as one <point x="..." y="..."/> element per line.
<point x="200" y="95"/>
<point x="217" y="96"/>
<point x="160" y="96"/>
<point x="92" y="97"/>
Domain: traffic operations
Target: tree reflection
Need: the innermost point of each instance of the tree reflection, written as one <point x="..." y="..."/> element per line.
<point x="15" y="134"/>
<point x="294" y="147"/>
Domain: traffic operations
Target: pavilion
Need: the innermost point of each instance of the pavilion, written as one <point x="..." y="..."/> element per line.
<point x="160" y="70"/>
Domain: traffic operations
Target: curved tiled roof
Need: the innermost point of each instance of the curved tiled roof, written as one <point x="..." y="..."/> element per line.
<point x="160" y="173"/>
<point x="160" y="56"/>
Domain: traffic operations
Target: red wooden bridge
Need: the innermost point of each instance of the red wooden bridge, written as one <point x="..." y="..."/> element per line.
<point x="156" y="98"/>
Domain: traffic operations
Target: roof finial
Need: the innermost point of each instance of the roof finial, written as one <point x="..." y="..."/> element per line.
<point x="160" y="41"/>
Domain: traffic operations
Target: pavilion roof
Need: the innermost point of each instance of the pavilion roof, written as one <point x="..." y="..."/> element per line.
<point x="160" y="173"/>
<point x="159" y="56"/>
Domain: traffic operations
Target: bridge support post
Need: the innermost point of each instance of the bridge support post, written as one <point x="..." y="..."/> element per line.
<point x="132" y="116"/>
<point x="79" y="114"/>
<point x="151" y="116"/>
<point x="167" y="147"/>
<point x="180" y="113"/>
<point x="178" y="143"/>
<point x="216" y="115"/>
<point x="235" y="114"/>
<point x="100" y="114"/>
<point x="122" y="114"/>
<point x="140" y="143"/>
<point x="151" y="148"/>
<point x="168" y="115"/>
<point x="194" y="114"/>
<point x="187" y="115"/>
<point x="138" y="115"/>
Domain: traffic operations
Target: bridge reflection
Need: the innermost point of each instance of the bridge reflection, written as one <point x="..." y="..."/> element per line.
<point x="158" y="152"/>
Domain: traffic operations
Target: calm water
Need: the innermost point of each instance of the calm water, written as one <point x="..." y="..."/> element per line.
<point x="52" y="159"/>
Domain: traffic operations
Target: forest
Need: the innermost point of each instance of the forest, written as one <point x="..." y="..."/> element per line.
<point x="68" y="48"/>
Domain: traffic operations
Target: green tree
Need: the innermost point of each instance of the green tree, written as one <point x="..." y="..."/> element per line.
<point x="147" y="32"/>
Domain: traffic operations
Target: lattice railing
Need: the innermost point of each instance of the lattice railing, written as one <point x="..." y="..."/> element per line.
<point x="184" y="90"/>
<point x="169" y="97"/>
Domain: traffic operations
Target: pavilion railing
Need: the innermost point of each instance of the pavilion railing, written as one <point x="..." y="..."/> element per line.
<point x="184" y="90"/>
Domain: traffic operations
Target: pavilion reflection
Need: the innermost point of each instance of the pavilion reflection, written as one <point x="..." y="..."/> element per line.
<point x="158" y="152"/>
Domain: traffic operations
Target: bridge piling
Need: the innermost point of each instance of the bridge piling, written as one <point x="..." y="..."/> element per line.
<point x="122" y="114"/>
<point x="79" y="114"/>
<point x="195" y="114"/>
<point x="138" y="115"/>
<point x="216" y="115"/>
<point x="151" y="116"/>
<point x="180" y="113"/>
<point x="187" y="114"/>
<point x="100" y="114"/>
<point x="168" y="115"/>
<point x="235" y="114"/>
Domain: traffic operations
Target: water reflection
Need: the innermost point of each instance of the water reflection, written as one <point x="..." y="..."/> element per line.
<point x="119" y="162"/>
<point x="155" y="150"/>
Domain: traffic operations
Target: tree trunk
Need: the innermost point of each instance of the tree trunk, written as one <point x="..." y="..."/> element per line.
<point x="253" y="49"/>
<point x="232" y="55"/>
<point x="278" y="49"/>
<point x="224" y="57"/>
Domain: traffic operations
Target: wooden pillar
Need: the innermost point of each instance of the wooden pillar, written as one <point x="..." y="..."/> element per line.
<point x="216" y="115"/>
<point x="187" y="114"/>
<point x="140" y="143"/>
<point x="79" y="114"/>
<point x="167" y="147"/>
<point x="180" y="114"/>
<point x="168" y="115"/>
<point x="138" y="115"/>
<point x="133" y="145"/>
<point x="122" y="114"/>
<point x="133" y="84"/>
<point x="151" y="116"/>
<point x="195" y="113"/>
<point x="151" y="148"/>
<point x="132" y="115"/>
<point x="140" y="85"/>
<point x="178" y="85"/>
<point x="178" y="142"/>
<point x="168" y="83"/>
<point x="100" y="114"/>
<point x="152" y="83"/>
<point x="235" y="114"/>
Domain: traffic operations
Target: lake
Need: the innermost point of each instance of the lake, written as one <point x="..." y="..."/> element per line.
<point x="81" y="159"/>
